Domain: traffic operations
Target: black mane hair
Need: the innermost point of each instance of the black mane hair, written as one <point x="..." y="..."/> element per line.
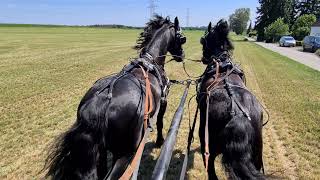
<point x="221" y="30"/>
<point x="148" y="32"/>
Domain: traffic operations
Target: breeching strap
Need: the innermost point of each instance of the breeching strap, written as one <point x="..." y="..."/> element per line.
<point x="148" y="106"/>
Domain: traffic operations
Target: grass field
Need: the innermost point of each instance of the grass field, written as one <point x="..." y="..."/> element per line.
<point x="45" y="71"/>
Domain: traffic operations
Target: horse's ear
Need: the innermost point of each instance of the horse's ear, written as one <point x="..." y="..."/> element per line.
<point x="176" y="23"/>
<point x="209" y="27"/>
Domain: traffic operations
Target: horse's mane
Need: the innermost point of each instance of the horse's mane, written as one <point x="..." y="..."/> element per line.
<point x="151" y="27"/>
<point x="222" y="30"/>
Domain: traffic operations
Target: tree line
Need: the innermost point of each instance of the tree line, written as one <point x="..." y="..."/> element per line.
<point x="277" y="18"/>
<point x="284" y="17"/>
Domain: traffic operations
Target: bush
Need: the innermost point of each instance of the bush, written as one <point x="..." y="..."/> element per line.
<point x="318" y="52"/>
<point x="301" y="32"/>
<point x="302" y="27"/>
<point x="275" y="30"/>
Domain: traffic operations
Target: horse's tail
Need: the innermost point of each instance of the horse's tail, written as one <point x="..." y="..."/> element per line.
<point x="237" y="153"/>
<point x="74" y="155"/>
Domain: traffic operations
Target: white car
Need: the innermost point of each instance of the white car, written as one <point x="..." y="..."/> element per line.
<point x="287" y="41"/>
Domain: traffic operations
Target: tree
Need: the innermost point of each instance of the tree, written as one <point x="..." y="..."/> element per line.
<point x="239" y="20"/>
<point x="270" y="10"/>
<point x="308" y="7"/>
<point x="302" y="26"/>
<point x="249" y="28"/>
<point x="276" y="29"/>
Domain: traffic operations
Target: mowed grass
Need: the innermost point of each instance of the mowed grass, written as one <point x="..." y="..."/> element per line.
<point x="44" y="72"/>
<point x="291" y="93"/>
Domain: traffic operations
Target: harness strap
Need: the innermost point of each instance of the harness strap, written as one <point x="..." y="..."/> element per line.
<point x="210" y="88"/>
<point x="148" y="105"/>
<point x="206" y="135"/>
<point x="206" y="131"/>
<point x="216" y="80"/>
<point x="231" y="94"/>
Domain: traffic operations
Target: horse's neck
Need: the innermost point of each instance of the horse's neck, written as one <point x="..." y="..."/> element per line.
<point x="158" y="48"/>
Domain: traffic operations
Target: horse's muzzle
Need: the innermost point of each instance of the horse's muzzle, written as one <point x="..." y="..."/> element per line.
<point x="179" y="58"/>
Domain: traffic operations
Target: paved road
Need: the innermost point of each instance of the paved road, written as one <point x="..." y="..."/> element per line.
<point x="296" y="53"/>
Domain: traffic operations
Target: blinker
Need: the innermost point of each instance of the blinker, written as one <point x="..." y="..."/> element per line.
<point x="183" y="39"/>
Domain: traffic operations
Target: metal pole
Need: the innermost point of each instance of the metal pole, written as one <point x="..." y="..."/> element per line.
<point x="163" y="162"/>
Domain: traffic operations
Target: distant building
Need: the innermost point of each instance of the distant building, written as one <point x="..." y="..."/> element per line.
<point x="315" y="28"/>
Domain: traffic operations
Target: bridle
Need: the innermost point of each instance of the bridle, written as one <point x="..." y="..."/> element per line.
<point x="148" y="104"/>
<point x="212" y="56"/>
<point x="204" y="42"/>
<point x="179" y="40"/>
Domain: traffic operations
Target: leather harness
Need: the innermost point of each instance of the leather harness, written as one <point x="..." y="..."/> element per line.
<point x="220" y="69"/>
<point x="218" y="78"/>
<point x="143" y="63"/>
<point x="148" y="106"/>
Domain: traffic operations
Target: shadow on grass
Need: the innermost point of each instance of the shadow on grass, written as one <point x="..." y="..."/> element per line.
<point x="148" y="162"/>
<point x="239" y="40"/>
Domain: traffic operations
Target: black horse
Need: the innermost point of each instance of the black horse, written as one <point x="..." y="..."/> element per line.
<point x="110" y="116"/>
<point x="234" y="123"/>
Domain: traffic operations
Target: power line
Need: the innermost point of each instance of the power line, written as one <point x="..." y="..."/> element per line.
<point x="188" y="17"/>
<point x="152" y="7"/>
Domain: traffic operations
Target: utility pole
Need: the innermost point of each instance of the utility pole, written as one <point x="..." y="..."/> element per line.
<point x="152" y="7"/>
<point x="188" y="17"/>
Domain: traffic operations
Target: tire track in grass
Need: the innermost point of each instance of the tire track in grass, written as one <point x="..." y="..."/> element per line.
<point x="277" y="163"/>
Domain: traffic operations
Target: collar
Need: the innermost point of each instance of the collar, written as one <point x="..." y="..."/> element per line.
<point x="148" y="56"/>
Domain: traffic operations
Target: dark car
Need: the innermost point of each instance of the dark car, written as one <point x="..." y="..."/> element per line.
<point x="311" y="43"/>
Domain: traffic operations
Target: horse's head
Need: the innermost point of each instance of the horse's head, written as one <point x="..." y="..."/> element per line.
<point x="215" y="41"/>
<point x="160" y="36"/>
<point x="177" y="40"/>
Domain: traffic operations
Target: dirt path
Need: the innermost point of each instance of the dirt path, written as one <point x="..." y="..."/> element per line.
<point x="308" y="59"/>
<point x="277" y="164"/>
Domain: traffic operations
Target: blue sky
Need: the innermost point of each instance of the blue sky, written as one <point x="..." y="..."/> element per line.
<point x="128" y="12"/>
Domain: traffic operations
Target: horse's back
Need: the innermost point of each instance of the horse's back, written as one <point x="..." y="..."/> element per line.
<point x="94" y="103"/>
<point x="221" y="111"/>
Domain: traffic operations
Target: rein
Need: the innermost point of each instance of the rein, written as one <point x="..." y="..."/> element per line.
<point x="183" y="63"/>
<point x="148" y="106"/>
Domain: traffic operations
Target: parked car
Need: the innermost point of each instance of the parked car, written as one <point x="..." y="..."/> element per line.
<point x="287" y="41"/>
<point x="311" y="43"/>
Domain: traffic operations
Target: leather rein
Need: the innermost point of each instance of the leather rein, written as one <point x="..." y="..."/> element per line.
<point x="148" y="107"/>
